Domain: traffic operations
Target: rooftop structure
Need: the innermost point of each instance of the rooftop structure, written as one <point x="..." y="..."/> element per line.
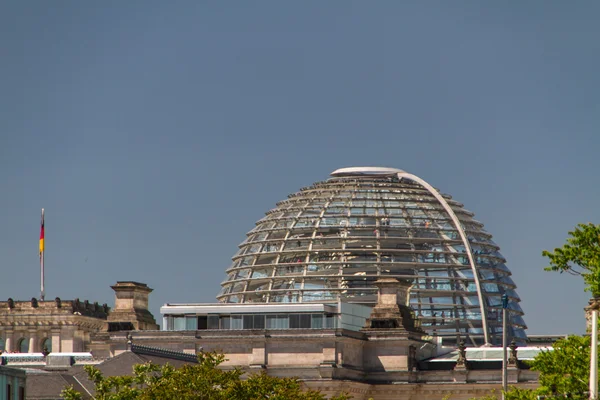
<point x="331" y="241"/>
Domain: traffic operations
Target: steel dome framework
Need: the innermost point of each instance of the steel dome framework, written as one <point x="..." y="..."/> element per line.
<point x="332" y="240"/>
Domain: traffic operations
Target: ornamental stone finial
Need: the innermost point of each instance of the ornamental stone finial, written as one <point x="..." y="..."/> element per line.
<point x="461" y="362"/>
<point x="512" y="360"/>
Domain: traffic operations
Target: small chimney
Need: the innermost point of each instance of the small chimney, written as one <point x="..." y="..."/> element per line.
<point x="131" y="308"/>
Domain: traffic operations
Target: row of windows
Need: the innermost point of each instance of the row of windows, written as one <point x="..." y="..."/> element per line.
<point x="23" y="345"/>
<point x="250" y="321"/>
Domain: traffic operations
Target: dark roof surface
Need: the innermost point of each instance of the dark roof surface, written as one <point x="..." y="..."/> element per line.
<point x="47" y="386"/>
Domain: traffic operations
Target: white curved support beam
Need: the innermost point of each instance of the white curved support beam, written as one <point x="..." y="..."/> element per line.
<point x="465" y="241"/>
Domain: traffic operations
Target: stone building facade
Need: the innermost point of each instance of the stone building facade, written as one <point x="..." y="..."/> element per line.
<point x="390" y="358"/>
<point x="57" y="326"/>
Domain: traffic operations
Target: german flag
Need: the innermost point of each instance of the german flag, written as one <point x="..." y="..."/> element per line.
<point x="42" y="237"/>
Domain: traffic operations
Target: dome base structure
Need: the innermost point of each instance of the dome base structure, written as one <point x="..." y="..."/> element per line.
<point x="333" y="240"/>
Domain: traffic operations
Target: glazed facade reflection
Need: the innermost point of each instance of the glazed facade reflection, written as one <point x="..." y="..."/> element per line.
<point x="332" y="240"/>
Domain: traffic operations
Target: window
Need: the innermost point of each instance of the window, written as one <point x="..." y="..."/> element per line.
<point x="179" y="323"/>
<point x="21" y="393"/>
<point x="259" y="322"/>
<point x="304" y="320"/>
<point x="225" y="323"/>
<point x="317" y="321"/>
<point x="2" y="344"/>
<point x="277" y="322"/>
<point x="300" y="321"/>
<point x="329" y="321"/>
<point x="294" y="321"/>
<point x="203" y="322"/>
<point x="236" y="322"/>
<point x="46" y="344"/>
<point x="169" y="323"/>
<point x="23" y="345"/>
<point x="191" y="323"/>
<point x="213" y="322"/>
<point x="248" y="322"/>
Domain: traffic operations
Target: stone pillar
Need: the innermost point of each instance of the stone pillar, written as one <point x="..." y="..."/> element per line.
<point x="32" y="342"/>
<point x="55" y="337"/>
<point x="393" y="335"/>
<point x="391" y="310"/>
<point x="67" y="337"/>
<point x="131" y="306"/>
<point x="8" y="341"/>
<point x="258" y="358"/>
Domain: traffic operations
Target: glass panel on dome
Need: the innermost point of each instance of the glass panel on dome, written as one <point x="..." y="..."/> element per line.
<point x="310" y="213"/>
<point x="398" y="222"/>
<point x="395" y="233"/>
<point x="266" y="259"/>
<point x="361" y="244"/>
<point x="292" y="258"/>
<point x="297" y="244"/>
<point x="285" y="284"/>
<point x="262" y="273"/>
<point x="225" y="289"/>
<point x="490" y="287"/>
<point x="336" y="211"/>
<point x="238" y="287"/>
<point x="321" y="269"/>
<point x="487" y="274"/>
<point x="318" y="296"/>
<point x="511" y="293"/>
<point x="242" y="273"/>
<point x="515" y="306"/>
<point x="257" y="286"/>
<point x="290" y="270"/>
<point x="233" y="299"/>
<point x="283" y="224"/>
<point x="246" y="261"/>
<point x="471" y="300"/>
<point x="319" y="283"/>
<point x="362" y="232"/>
<point x="517" y="319"/>
<point x="333" y="221"/>
<point x="324" y="242"/>
<point x="305" y="223"/>
<point x="288" y="297"/>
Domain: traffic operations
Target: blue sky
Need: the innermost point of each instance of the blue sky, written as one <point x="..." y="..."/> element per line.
<point x="156" y="133"/>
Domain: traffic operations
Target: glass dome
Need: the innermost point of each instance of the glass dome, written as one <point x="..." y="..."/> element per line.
<point x="330" y="241"/>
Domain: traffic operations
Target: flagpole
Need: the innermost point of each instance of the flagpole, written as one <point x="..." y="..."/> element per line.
<point x="43" y="294"/>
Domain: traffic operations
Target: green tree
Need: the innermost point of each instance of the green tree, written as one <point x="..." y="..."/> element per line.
<point x="202" y="381"/>
<point x="580" y="255"/>
<point x="563" y="371"/>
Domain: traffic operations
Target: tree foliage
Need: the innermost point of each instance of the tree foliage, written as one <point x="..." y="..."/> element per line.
<point x="566" y="368"/>
<point x="564" y="372"/>
<point x="202" y="381"/>
<point x="580" y="255"/>
<point x="514" y="393"/>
